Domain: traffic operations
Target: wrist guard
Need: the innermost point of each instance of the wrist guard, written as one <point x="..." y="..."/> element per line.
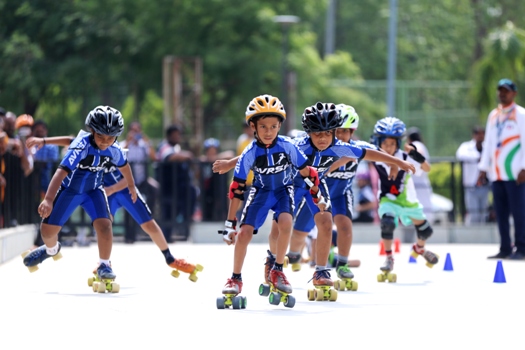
<point x="415" y="155"/>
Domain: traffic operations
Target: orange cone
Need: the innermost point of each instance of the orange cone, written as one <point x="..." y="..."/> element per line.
<point x="382" y="248"/>
<point x="397" y="245"/>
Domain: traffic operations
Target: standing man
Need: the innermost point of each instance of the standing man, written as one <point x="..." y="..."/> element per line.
<point x="476" y="190"/>
<point x="503" y="159"/>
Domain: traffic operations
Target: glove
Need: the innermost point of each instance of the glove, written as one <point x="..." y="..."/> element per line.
<point x="229" y="232"/>
<point x="415" y="155"/>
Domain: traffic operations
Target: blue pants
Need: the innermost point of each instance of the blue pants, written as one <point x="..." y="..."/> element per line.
<point x="138" y="210"/>
<point x="66" y="201"/>
<point x="261" y="201"/>
<point x="509" y="198"/>
<point x="305" y="210"/>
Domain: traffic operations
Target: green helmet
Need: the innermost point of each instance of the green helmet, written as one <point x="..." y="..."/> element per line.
<point x="348" y="113"/>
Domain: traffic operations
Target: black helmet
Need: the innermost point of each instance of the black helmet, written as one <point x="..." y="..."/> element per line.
<point x="321" y="117"/>
<point x="105" y="120"/>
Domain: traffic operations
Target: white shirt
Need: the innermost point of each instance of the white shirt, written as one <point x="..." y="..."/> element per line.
<point x="503" y="156"/>
<point x="470" y="156"/>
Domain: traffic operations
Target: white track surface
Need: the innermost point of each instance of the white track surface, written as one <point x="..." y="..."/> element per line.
<point x="53" y="308"/>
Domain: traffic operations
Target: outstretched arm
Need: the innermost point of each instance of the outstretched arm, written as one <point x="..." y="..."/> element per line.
<point x="376" y="156"/>
<point x="41" y="141"/>
<point x="222" y="166"/>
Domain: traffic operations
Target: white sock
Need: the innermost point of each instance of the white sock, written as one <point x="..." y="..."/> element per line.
<point x="105" y="262"/>
<point x="53" y="250"/>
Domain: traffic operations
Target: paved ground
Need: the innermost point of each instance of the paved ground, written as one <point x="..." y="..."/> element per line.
<point x="54" y="308"/>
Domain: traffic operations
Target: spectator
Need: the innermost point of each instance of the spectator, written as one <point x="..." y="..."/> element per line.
<point x="2" y="118"/>
<point x="178" y="194"/>
<point x="46" y="157"/>
<point x="366" y="203"/>
<point x="476" y="192"/>
<point x="422" y="182"/>
<point x="139" y="153"/>
<point x="244" y="140"/>
<point x="23" y="125"/>
<point x="9" y="124"/>
<point x="503" y="160"/>
<point x="214" y="187"/>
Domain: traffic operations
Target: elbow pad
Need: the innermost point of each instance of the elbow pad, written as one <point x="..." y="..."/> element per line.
<point x="237" y="190"/>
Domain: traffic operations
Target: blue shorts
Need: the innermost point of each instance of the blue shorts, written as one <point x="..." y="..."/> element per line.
<point x="138" y="210"/>
<point x="260" y="202"/>
<point x="305" y="211"/>
<point x="94" y="202"/>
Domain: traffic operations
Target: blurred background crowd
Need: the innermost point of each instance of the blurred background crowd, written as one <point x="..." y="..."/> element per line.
<point x="181" y="72"/>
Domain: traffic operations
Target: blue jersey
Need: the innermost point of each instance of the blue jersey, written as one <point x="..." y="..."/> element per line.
<point x="274" y="166"/>
<point x="86" y="163"/>
<point x="322" y="160"/>
<point x="340" y="180"/>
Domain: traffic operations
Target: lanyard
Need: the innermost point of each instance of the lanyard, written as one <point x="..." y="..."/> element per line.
<point x="501" y="124"/>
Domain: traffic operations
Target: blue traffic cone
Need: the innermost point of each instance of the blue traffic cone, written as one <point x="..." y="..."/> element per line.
<point x="448" y="263"/>
<point x="499" y="276"/>
<point x="412" y="260"/>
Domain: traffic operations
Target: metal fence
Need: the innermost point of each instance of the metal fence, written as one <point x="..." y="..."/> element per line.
<point x="180" y="193"/>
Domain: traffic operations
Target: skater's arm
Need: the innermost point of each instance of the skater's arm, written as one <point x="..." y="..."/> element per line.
<point x="126" y="171"/>
<point x="39" y="142"/>
<point x="311" y="178"/>
<point x="44" y="209"/>
<point x="376" y="156"/>
<point x="222" y="166"/>
<point x="236" y="195"/>
<point x="339" y="163"/>
<point x="418" y="157"/>
<point x="119" y="186"/>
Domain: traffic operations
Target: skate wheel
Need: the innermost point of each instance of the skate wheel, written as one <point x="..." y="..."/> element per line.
<point x="220" y="303"/>
<point x="95" y="286"/>
<point x="58" y="256"/>
<point x="414" y="254"/>
<point x="290" y="301"/>
<point x="244" y="302"/>
<point x="311" y="294"/>
<point x="352" y="286"/>
<point x="275" y="298"/>
<point x="90" y="281"/>
<point x="319" y="295"/>
<point x="333" y="295"/>
<point x="236" y="303"/>
<point x="380" y="277"/>
<point x="264" y="290"/>
<point x="115" y="287"/>
<point x="101" y="287"/>
<point x="199" y="267"/>
<point x="296" y="267"/>
<point x="429" y="265"/>
<point x="24" y="254"/>
<point x="392" y="278"/>
<point x="286" y="262"/>
<point x="175" y="273"/>
<point x="193" y="278"/>
<point x="337" y="285"/>
<point x="32" y="268"/>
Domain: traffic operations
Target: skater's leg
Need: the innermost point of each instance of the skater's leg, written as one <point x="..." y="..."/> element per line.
<point x="344" y="235"/>
<point x="323" y="221"/>
<point x="241" y="246"/>
<point x="153" y="230"/>
<point x="284" y="233"/>
<point x="104" y="237"/>
<point x="49" y="234"/>
<point x="274" y="236"/>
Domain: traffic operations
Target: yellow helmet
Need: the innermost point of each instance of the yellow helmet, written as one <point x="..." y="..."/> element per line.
<point x="265" y="105"/>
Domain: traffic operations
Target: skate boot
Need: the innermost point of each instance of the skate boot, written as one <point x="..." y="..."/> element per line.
<point x="186" y="267"/>
<point x="34" y="257"/>
<point x="346" y="276"/>
<point x="230" y="297"/>
<point x="431" y="258"/>
<point x="387" y="267"/>
<point x="105" y="280"/>
<point x="322" y="284"/>
<point x="295" y="260"/>
<point x="270" y="260"/>
<point x="278" y="289"/>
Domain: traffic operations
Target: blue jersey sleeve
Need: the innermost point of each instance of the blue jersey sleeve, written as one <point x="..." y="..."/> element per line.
<point x="245" y="163"/>
<point x="118" y="156"/>
<point x="343" y="149"/>
<point x="77" y="151"/>
<point x="297" y="156"/>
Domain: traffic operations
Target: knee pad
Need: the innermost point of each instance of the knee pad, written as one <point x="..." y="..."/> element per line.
<point x="424" y="231"/>
<point x="388" y="225"/>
